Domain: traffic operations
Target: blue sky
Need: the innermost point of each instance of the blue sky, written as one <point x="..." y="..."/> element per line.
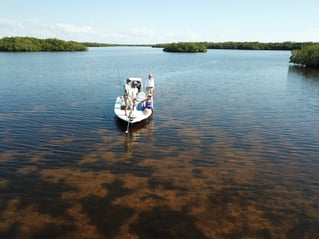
<point x="161" y="21"/>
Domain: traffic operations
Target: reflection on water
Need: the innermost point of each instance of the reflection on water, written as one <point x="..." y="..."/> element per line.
<point x="306" y="72"/>
<point x="227" y="162"/>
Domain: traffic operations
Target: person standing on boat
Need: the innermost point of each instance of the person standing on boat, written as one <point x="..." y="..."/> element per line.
<point x="150" y="85"/>
<point x="133" y="91"/>
<point x="127" y="95"/>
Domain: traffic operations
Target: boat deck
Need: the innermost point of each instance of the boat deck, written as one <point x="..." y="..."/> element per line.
<point x="137" y="115"/>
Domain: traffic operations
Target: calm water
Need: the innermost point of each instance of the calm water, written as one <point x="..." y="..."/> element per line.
<point x="232" y="150"/>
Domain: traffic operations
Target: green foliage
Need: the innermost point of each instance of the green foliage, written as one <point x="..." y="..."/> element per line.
<point x="249" y="45"/>
<point x="307" y="56"/>
<point x="255" y="45"/>
<point x="29" y="44"/>
<point x="96" y="44"/>
<point x="185" y="47"/>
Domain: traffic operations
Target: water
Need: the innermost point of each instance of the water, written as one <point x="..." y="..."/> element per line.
<point x="232" y="150"/>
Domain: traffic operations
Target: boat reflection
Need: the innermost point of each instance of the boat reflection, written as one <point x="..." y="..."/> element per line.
<point x="136" y="136"/>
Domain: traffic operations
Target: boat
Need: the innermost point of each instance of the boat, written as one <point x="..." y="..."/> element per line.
<point x="138" y="115"/>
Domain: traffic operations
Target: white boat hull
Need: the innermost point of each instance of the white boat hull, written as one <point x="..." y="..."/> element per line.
<point x="137" y="116"/>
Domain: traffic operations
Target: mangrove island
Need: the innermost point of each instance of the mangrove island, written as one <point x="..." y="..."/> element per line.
<point x="190" y="47"/>
<point x="306" y="56"/>
<point x="31" y="44"/>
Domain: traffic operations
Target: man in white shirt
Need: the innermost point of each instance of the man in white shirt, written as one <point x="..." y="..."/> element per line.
<point x="132" y="95"/>
<point x="150" y="85"/>
<point x="127" y="98"/>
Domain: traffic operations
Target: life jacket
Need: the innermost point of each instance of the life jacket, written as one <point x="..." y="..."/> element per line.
<point x="148" y="104"/>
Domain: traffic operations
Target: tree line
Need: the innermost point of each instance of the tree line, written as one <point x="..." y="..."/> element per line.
<point x="302" y="53"/>
<point x="244" y="45"/>
<point x="257" y="45"/>
<point x="53" y="44"/>
<point x="31" y="44"/>
<point x="96" y="44"/>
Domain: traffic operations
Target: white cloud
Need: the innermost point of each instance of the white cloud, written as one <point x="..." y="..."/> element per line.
<point x="312" y="33"/>
<point x="9" y="27"/>
<point x="7" y="23"/>
<point x="135" y="35"/>
<point x="69" y="28"/>
<point x="143" y="32"/>
<point x="31" y="27"/>
<point x="182" y="36"/>
<point x="297" y="35"/>
<point x="65" y="31"/>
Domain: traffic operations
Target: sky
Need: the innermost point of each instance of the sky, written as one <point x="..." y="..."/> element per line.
<point x="162" y="21"/>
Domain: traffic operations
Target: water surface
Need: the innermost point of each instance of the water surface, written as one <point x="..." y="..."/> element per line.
<point x="232" y="150"/>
